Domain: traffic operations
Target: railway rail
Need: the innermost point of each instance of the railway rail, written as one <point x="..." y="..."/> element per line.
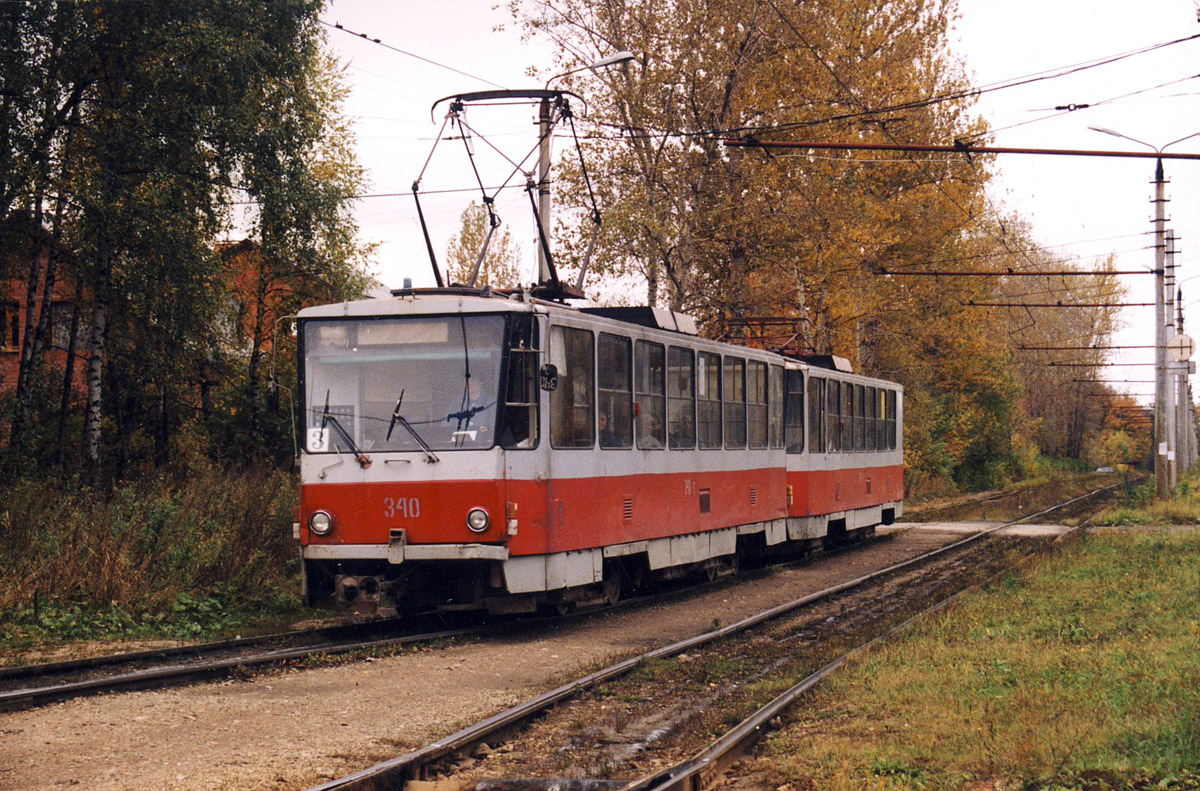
<point x="705" y="770"/>
<point x="427" y="761"/>
<point x="29" y="686"/>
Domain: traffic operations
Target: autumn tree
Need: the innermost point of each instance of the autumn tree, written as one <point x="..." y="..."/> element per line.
<point x="835" y="242"/>
<point x="150" y="121"/>
<point x="501" y="264"/>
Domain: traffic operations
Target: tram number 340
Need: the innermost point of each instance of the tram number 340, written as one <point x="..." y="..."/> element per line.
<point x="403" y="507"/>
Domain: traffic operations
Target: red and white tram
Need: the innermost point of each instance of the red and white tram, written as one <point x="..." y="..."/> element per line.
<point x="470" y="449"/>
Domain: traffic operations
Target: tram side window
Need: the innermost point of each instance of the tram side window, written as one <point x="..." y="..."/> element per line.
<point x="778" y="408"/>
<point x="860" y="418"/>
<point x="881" y="419"/>
<point x="833" y="416"/>
<point x="651" y="400"/>
<point x="708" y="399"/>
<point x="520" y="427"/>
<point x="681" y="397"/>
<point x="870" y="418"/>
<point x="734" y="399"/>
<point x="572" y="402"/>
<point x="816" y="414"/>
<point x="615" y="389"/>
<point x="891" y="419"/>
<point x="794" y="411"/>
<point x="846" y="432"/>
<point x="756" y="404"/>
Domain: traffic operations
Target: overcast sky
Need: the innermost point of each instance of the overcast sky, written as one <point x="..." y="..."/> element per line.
<point x="1080" y="207"/>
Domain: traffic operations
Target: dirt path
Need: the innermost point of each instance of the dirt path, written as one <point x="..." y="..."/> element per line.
<point x="294" y="729"/>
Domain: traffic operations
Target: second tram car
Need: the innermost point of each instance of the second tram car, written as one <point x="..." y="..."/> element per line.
<point x="470" y="449"/>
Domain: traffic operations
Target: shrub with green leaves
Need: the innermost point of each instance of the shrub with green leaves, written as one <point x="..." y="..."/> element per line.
<point x="173" y="555"/>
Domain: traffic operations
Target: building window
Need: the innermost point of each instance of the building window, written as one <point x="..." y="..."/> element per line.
<point x="10" y="313"/>
<point x="60" y="324"/>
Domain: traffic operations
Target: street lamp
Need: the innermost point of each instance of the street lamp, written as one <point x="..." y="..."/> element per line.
<point x="1164" y="414"/>
<point x="623" y="56"/>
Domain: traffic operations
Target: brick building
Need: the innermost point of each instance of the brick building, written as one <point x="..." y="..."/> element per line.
<point x="16" y="249"/>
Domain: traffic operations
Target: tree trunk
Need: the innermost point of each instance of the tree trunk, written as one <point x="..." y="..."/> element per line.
<point x="652" y="284"/>
<point x="806" y="324"/>
<point x="24" y="369"/>
<point x="42" y="336"/>
<point x="256" y="339"/>
<point x="122" y="400"/>
<point x="69" y="373"/>
<point x="162" y="437"/>
<point x="95" y="365"/>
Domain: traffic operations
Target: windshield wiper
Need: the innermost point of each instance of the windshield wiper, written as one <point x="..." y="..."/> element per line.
<point x="363" y="459"/>
<point x="430" y="458"/>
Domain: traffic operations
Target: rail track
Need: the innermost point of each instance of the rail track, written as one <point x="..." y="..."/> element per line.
<point x="60" y="681"/>
<point x="698" y="771"/>
<point x="29" y="686"/>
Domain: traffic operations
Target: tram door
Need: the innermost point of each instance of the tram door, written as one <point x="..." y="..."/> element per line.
<point x="572" y="354"/>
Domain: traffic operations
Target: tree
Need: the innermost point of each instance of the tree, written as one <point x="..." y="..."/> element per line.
<point x="822" y="239"/>
<point x="501" y="266"/>
<point x="149" y="121"/>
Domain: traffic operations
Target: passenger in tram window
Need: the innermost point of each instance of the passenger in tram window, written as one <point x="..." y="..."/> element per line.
<point x="608" y="438"/>
<point x="683" y="433"/>
<point x="478" y="411"/>
<point x="650" y="432"/>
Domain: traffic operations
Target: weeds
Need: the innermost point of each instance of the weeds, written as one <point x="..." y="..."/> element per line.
<point x="1085" y="675"/>
<point x="1138" y="506"/>
<point x="178" y="557"/>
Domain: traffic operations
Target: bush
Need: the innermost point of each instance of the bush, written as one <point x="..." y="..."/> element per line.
<point x="184" y="548"/>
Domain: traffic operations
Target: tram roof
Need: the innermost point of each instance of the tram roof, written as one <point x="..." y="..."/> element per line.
<point x="448" y="301"/>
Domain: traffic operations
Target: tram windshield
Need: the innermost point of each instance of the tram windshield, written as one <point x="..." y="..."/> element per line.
<point x="400" y="383"/>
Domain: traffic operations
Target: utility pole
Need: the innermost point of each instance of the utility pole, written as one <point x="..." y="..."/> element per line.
<point x="1162" y="443"/>
<point x="1183" y="448"/>
<point x="543" y="185"/>
<point x="1169" y="404"/>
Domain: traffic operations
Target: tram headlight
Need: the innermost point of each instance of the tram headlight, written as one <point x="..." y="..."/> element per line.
<point x="320" y="523"/>
<point x="478" y="520"/>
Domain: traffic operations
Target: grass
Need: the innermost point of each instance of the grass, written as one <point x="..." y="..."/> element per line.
<point x="1082" y="674"/>
<point x="1138" y="506"/>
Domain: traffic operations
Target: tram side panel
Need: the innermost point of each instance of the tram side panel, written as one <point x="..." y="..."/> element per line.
<point x="851" y="469"/>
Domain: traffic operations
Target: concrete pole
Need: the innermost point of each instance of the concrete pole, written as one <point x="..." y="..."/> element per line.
<point x="1161" y="442"/>
<point x="1178" y="380"/>
<point x="1193" y="439"/>
<point x="544" y="187"/>
<point x="1172" y="431"/>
